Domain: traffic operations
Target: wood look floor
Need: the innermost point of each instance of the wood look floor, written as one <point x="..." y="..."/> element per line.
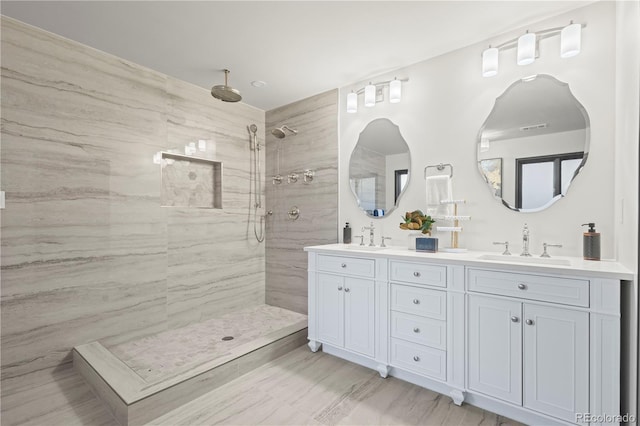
<point x="300" y="388"/>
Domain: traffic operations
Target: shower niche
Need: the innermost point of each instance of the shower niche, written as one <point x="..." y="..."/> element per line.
<point x="190" y="182"/>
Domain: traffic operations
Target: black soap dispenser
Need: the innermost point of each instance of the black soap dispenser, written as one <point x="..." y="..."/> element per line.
<point x="591" y="243"/>
<point x="346" y="234"/>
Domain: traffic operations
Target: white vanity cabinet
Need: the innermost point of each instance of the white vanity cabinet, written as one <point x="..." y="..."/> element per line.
<point x="344" y="296"/>
<point x="346" y="312"/>
<point x="539" y="344"/>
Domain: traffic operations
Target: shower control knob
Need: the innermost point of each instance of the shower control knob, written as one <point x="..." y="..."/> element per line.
<point x="416" y="358"/>
<point x="416" y="274"/>
<point x="416" y="301"/>
<point x="294" y="213"/>
<point x="344" y="265"/>
<point x="416" y="330"/>
<point x="340" y="288"/>
<point x="346" y="290"/>
<point x="522" y="286"/>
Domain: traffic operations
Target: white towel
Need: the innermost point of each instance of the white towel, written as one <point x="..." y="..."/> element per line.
<point x="438" y="189"/>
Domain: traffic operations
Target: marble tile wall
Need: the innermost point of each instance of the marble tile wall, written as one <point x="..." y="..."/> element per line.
<point x="315" y="147"/>
<point x="87" y="251"/>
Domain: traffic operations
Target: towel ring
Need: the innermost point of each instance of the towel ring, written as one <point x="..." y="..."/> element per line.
<point x="440" y="167"/>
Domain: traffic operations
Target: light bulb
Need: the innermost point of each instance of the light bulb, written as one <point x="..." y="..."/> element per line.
<point x="352" y="102"/>
<point x="490" y="62"/>
<point x="395" y="91"/>
<point x="527" y="49"/>
<point x="369" y="95"/>
<point x="570" y="40"/>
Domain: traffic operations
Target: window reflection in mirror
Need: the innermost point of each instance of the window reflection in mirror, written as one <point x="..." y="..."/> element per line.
<point x="533" y="144"/>
<point x="379" y="168"/>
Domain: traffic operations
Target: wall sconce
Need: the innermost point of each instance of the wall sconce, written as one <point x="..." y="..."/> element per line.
<point x="527" y="46"/>
<point x="373" y="92"/>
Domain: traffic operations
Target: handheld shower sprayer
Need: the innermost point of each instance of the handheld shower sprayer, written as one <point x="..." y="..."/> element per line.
<point x="254" y="137"/>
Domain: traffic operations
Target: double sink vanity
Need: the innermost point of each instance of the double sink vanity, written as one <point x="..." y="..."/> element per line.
<point x="534" y="339"/>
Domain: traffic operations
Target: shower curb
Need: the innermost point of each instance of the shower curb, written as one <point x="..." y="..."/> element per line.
<point x="133" y="401"/>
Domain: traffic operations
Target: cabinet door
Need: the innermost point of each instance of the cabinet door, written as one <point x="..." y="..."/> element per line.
<point x="495" y="347"/>
<point x="331" y="309"/>
<point x="556" y="361"/>
<point x="359" y="319"/>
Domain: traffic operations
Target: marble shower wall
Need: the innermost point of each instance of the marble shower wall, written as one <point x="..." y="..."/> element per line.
<point x="315" y="147"/>
<point x="87" y="251"/>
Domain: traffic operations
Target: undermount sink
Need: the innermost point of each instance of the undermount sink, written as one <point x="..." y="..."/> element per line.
<point x="365" y="248"/>
<point x="523" y="259"/>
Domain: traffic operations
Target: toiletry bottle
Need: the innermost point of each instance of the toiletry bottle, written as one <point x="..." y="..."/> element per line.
<point x="591" y="243"/>
<point x="346" y="234"/>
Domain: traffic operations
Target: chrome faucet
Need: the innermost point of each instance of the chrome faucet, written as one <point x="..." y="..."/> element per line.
<point x="525" y="241"/>
<point x="370" y="228"/>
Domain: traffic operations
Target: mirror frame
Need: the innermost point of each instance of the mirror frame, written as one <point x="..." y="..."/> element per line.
<point x="587" y="142"/>
<point x="399" y="197"/>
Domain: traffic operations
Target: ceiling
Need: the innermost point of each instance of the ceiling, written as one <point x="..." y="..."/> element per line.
<point x="299" y="48"/>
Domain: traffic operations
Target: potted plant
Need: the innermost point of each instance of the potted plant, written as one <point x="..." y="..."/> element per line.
<point x="416" y="221"/>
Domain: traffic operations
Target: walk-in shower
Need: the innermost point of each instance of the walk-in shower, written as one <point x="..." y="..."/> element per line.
<point x="279" y="132"/>
<point x="258" y="215"/>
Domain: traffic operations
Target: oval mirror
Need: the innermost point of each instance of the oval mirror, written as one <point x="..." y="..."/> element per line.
<point x="533" y="144"/>
<point x="379" y="168"/>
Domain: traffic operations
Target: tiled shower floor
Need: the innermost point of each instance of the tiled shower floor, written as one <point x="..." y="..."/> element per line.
<point x="172" y="352"/>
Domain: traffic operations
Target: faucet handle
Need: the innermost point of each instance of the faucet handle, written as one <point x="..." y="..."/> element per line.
<point x="384" y="238"/>
<point x="506" y="247"/>
<point x="361" y="239"/>
<point x="544" y="249"/>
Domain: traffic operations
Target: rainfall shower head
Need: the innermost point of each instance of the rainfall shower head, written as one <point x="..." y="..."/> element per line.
<point x="279" y="132"/>
<point x="225" y="93"/>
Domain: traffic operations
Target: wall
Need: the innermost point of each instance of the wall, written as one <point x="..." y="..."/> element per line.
<point x="87" y="251"/>
<point x="627" y="140"/>
<point x="446" y="101"/>
<point x="315" y="147"/>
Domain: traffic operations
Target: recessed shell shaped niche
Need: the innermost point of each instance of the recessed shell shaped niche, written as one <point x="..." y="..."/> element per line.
<point x="533" y="144"/>
<point x="379" y="168"/>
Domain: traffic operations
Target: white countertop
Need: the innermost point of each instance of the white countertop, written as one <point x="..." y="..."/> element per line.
<point x="576" y="266"/>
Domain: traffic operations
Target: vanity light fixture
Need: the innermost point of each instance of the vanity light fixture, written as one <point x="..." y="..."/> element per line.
<point x="369" y="95"/>
<point x="570" y="38"/>
<point x="490" y="62"/>
<point x="527" y="46"/>
<point x="352" y="102"/>
<point x="395" y="91"/>
<point x="373" y="92"/>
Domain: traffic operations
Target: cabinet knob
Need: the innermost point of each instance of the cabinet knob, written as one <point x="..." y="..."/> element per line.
<point x="529" y="322"/>
<point x="416" y="330"/>
<point x="416" y="358"/>
<point x="522" y="286"/>
<point x="515" y="319"/>
<point x="340" y="288"/>
<point x="416" y="274"/>
<point x="344" y="265"/>
<point x="346" y="290"/>
<point x="416" y="301"/>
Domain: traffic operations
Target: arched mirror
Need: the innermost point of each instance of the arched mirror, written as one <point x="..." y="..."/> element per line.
<point x="379" y="168"/>
<point x="533" y="144"/>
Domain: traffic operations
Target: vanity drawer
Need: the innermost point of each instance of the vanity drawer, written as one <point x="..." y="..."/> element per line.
<point x="567" y="291"/>
<point x="419" y="359"/>
<point x="420" y="330"/>
<point x="419" y="301"/>
<point x="347" y="265"/>
<point x="418" y="273"/>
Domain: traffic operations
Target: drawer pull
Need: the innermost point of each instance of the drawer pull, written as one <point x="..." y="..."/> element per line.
<point x="416" y="301"/>
<point x="416" y="358"/>
<point x="522" y="286"/>
<point x="515" y="319"/>
<point x="344" y="265"/>
<point x="346" y="290"/>
<point x="416" y="274"/>
<point x="529" y="322"/>
<point x="340" y="288"/>
<point x="416" y="330"/>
